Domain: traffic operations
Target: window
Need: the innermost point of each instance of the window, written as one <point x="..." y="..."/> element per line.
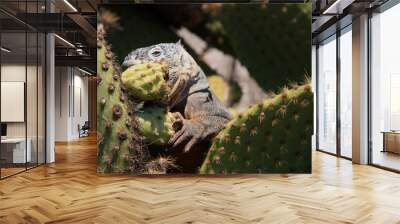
<point x="22" y="101"/>
<point x="334" y="106"/>
<point x="385" y="88"/>
<point x="327" y="95"/>
<point x="345" y="43"/>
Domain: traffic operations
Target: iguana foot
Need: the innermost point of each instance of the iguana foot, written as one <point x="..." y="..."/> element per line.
<point x="190" y="132"/>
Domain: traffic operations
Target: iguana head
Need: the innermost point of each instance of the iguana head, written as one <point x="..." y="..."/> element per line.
<point x="172" y="53"/>
<point x="179" y="61"/>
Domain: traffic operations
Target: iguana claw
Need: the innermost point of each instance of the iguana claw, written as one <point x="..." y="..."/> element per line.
<point x="190" y="132"/>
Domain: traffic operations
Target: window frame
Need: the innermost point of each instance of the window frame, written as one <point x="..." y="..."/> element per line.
<point x="338" y="33"/>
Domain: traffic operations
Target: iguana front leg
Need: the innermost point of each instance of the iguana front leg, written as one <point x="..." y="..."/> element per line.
<point x="180" y="79"/>
<point x="204" y="117"/>
<point x="190" y="130"/>
<point x="177" y="90"/>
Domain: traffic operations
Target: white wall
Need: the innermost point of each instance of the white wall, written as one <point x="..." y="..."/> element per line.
<point x="16" y="73"/>
<point x="71" y="94"/>
<point x="33" y="127"/>
<point x="80" y="109"/>
<point x="12" y="73"/>
<point x="9" y="73"/>
<point x="61" y="103"/>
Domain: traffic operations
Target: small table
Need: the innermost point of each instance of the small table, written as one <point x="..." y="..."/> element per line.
<point x="391" y="141"/>
<point x="13" y="150"/>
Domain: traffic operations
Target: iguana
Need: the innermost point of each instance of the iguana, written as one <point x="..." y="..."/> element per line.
<point x="199" y="111"/>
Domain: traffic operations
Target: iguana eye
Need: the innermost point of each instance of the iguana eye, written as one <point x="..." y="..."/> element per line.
<point x="155" y="53"/>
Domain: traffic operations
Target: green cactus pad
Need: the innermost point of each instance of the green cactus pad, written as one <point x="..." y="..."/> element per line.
<point x="120" y="146"/>
<point x="219" y="87"/>
<point x="228" y="92"/>
<point x="271" y="137"/>
<point x="146" y="81"/>
<point x="118" y="152"/>
<point x="289" y="24"/>
<point x="155" y="125"/>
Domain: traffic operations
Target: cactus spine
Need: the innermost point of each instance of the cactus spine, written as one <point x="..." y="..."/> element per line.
<point x="119" y="146"/>
<point x="155" y="125"/>
<point x="270" y="137"/>
<point x="146" y="82"/>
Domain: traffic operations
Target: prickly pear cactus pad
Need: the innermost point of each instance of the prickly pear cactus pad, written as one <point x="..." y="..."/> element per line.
<point x="156" y="125"/>
<point x="113" y="135"/>
<point x="146" y="81"/>
<point x="270" y="137"/>
<point x="219" y="87"/>
<point x="166" y="112"/>
<point x="121" y="147"/>
<point x="118" y="151"/>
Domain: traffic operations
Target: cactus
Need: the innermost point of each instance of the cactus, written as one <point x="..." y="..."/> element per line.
<point x="155" y="125"/>
<point x="160" y="165"/>
<point x="146" y="81"/>
<point x="119" y="148"/>
<point x="228" y="92"/>
<point x="219" y="87"/>
<point x="122" y="132"/>
<point x="125" y="128"/>
<point x="270" y="137"/>
<point x="272" y="28"/>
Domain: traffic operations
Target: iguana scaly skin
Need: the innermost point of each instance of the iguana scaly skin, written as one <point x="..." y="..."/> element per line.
<point x="199" y="111"/>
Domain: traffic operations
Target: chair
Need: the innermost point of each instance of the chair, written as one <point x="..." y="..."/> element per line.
<point x="84" y="130"/>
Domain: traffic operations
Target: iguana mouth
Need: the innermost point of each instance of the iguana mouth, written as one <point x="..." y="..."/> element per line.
<point x="129" y="62"/>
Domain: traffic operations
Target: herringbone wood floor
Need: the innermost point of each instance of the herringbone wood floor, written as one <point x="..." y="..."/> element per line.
<point x="70" y="191"/>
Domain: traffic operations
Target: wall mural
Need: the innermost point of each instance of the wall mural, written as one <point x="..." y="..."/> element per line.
<point x="204" y="89"/>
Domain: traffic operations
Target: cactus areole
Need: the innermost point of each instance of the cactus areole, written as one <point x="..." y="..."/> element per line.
<point x="269" y="137"/>
<point x="146" y="81"/>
